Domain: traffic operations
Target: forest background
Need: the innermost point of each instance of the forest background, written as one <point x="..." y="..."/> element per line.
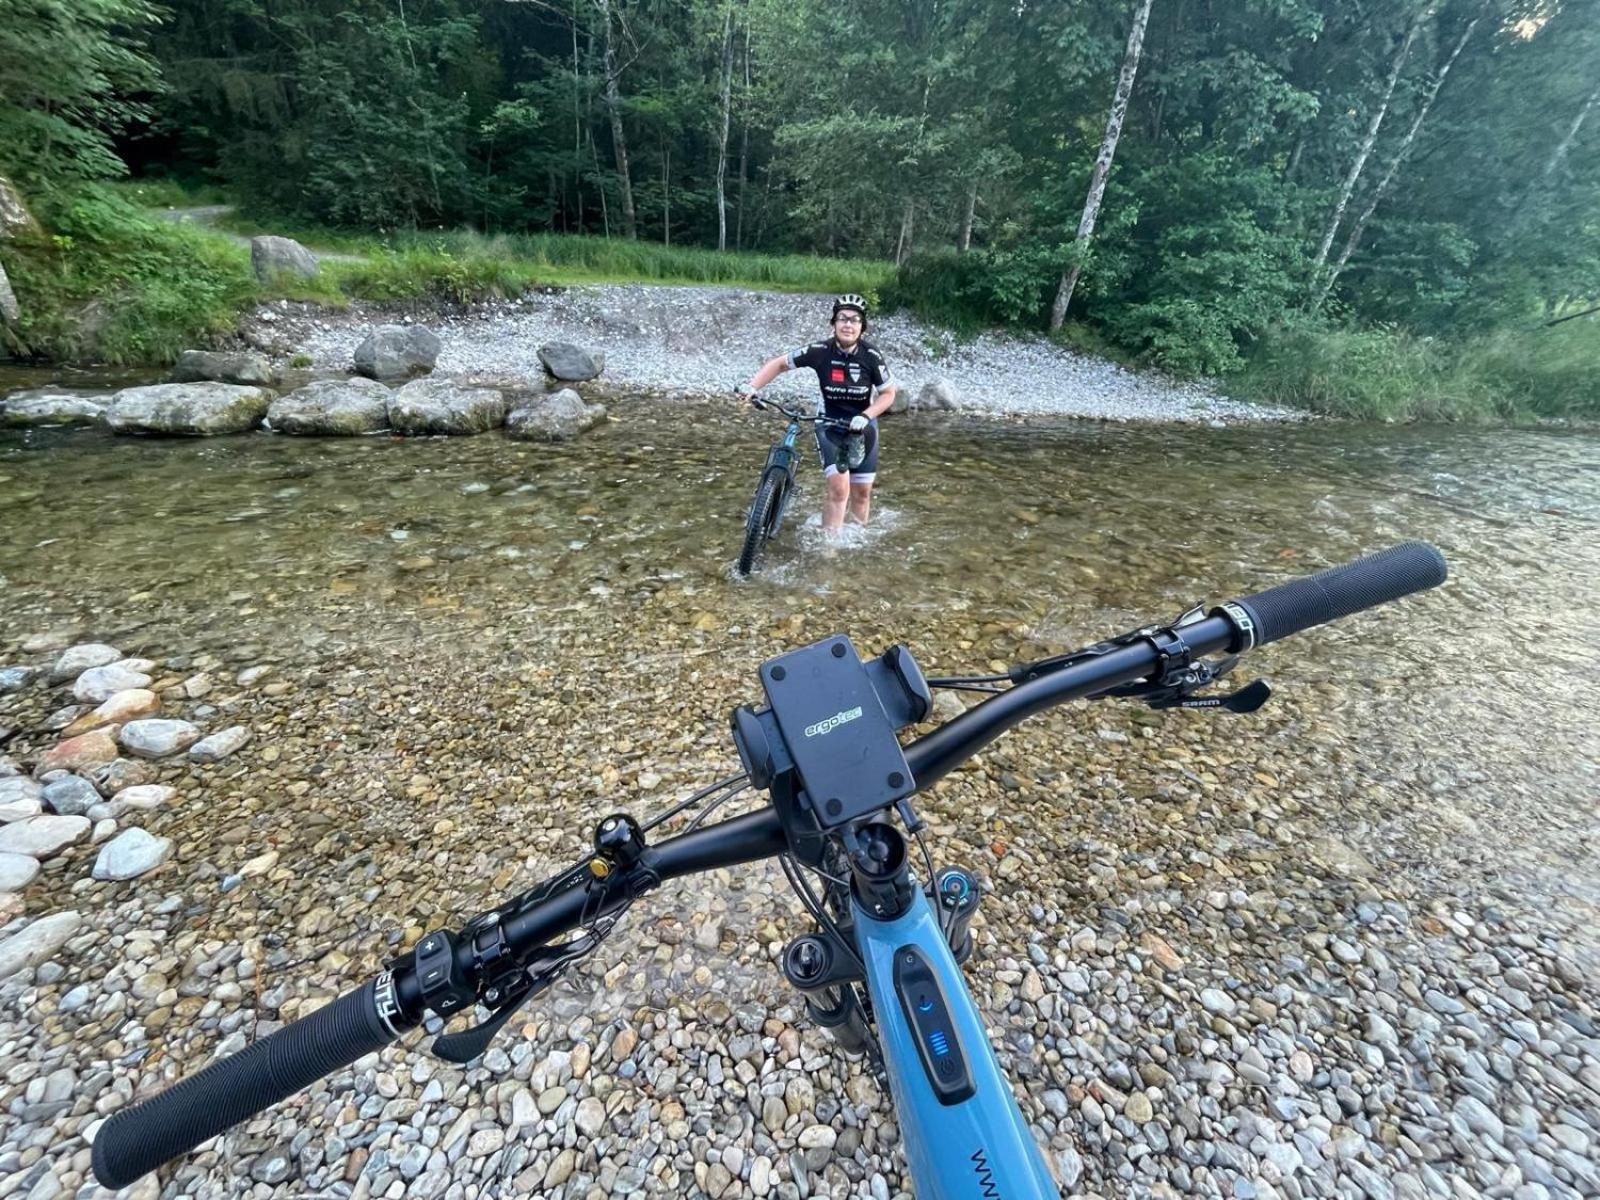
<point x="1387" y="208"/>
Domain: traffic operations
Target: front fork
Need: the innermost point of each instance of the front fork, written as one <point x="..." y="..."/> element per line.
<point x="827" y="971"/>
<point x="782" y="455"/>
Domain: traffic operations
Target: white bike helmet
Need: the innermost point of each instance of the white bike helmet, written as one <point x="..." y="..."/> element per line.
<point x="850" y="300"/>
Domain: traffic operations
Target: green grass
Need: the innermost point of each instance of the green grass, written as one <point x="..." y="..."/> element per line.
<point x="112" y="283"/>
<point x="168" y="193"/>
<point x="1387" y="375"/>
<point x="109" y="283"/>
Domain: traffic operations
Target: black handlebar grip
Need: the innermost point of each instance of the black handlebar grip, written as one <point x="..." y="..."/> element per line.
<point x="137" y="1140"/>
<point x="1339" y="591"/>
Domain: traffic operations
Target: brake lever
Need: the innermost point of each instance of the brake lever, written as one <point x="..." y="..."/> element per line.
<point x="1177" y="689"/>
<point x="467" y="1044"/>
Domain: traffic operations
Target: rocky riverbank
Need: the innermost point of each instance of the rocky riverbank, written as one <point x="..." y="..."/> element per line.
<point x="707" y="339"/>
<point x="1215" y="1013"/>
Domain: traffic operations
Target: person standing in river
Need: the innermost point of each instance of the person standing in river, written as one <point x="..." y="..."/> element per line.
<point x="855" y="388"/>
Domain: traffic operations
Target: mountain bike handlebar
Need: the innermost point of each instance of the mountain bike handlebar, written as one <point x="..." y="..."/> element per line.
<point x="795" y="414"/>
<point x="139" y="1139"/>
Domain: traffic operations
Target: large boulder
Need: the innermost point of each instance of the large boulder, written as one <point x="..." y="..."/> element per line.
<point x="332" y="407"/>
<point x="440" y="406"/>
<point x="188" y="409"/>
<point x="51" y="406"/>
<point x="223" y="366"/>
<point x="14" y="215"/>
<point x="14" y="219"/>
<point x="10" y="310"/>
<point x="272" y="257"/>
<point x="553" y="418"/>
<point x="938" y="395"/>
<point x="397" y="352"/>
<point x="570" y="363"/>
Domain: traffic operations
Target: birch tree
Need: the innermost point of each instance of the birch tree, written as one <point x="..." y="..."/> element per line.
<point x="619" y="140"/>
<point x="1400" y="156"/>
<point x="1102" y="164"/>
<point x="1364" y="151"/>
<point x="725" y="127"/>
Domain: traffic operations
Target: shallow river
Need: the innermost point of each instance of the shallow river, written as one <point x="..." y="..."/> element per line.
<point x="486" y="645"/>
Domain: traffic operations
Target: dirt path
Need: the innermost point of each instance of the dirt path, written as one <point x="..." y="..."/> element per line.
<point x="207" y="215"/>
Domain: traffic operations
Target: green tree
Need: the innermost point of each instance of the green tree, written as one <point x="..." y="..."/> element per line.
<point x="73" y="74"/>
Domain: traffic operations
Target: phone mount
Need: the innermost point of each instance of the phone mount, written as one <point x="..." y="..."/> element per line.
<point x="825" y="745"/>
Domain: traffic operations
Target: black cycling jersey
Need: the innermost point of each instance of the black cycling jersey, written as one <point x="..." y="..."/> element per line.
<point x="847" y="376"/>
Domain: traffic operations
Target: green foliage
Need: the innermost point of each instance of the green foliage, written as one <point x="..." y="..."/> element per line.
<point x="887" y="129"/>
<point x="71" y="72"/>
<point x="111" y="284"/>
<point x="466" y="266"/>
<point x="1392" y="375"/>
<point x="978" y="289"/>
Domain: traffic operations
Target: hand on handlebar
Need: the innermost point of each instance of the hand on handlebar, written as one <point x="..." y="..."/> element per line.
<point x="750" y="394"/>
<point x="859" y="423"/>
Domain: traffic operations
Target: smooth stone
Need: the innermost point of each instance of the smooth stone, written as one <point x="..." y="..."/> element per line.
<point x="44" y="836"/>
<point x="272" y="256"/>
<point x="98" y="684"/>
<point x="553" y="418"/>
<point x="17" y="871"/>
<point x="84" y="752"/>
<point x="157" y="738"/>
<point x="332" y="408"/>
<point x="223" y="366"/>
<point x="71" y="797"/>
<point x="220" y="745"/>
<point x="570" y="363"/>
<point x="75" y="660"/>
<point x="119" y="708"/>
<point x="51" y="406"/>
<point x="440" y="406"/>
<point x="37" y="941"/>
<point x="396" y="352"/>
<point x="130" y="854"/>
<point x="188" y="409"/>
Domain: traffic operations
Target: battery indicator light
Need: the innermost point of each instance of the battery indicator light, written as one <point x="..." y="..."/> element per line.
<point x="940" y="1043"/>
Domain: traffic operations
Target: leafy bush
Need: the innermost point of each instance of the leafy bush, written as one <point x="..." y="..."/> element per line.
<point x="976" y="289"/>
<point x="1389" y="375"/>
<point x="111" y="284"/>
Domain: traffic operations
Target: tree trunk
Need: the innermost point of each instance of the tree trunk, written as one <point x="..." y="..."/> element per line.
<point x="902" y="247"/>
<point x="1102" y="162"/>
<point x="1565" y="144"/>
<point x="725" y="128"/>
<point x="964" y="241"/>
<point x="666" y="195"/>
<point x="1400" y="156"/>
<point x="1356" y="167"/>
<point x="577" y="119"/>
<point x="619" y="140"/>
<point x="744" y="152"/>
<point x="605" y="211"/>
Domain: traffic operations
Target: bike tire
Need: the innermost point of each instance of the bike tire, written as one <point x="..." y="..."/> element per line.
<point x="758" y="525"/>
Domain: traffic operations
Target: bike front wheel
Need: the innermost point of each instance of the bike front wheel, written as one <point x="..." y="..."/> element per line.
<point x="763" y="513"/>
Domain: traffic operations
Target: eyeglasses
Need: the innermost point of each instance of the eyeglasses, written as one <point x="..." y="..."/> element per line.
<point x="847" y="319"/>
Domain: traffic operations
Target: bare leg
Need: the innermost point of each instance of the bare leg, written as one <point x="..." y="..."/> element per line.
<point x="834" y="504"/>
<point x="860" y="502"/>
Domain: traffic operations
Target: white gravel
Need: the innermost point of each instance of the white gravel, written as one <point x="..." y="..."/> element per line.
<point x="709" y="339"/>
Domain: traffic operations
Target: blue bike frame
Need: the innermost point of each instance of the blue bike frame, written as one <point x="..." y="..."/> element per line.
<point x="977" y="1147"/>
<point x="784" y="455"/>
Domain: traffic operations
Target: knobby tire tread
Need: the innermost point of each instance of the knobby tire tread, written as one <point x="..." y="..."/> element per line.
<point x="758" y="523"/>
